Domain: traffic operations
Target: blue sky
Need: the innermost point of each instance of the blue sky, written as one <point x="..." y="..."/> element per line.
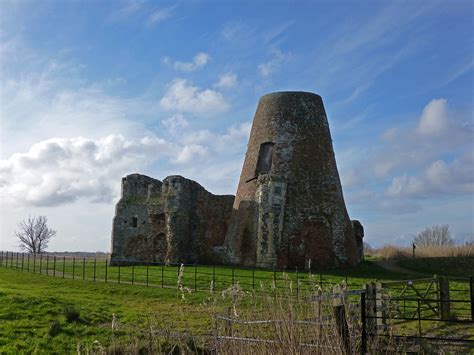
<point x="94" y="90"/>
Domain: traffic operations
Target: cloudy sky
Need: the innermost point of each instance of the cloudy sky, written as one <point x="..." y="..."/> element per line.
<point x="95" y="90"/>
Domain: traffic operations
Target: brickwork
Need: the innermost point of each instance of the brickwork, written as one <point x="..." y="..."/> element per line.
<point x="290" y="208"/>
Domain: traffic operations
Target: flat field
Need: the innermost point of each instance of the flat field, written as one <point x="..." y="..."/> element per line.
<point x="34" y="307"/>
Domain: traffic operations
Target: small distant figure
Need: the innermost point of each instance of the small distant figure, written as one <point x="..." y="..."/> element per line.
<point x="414" y="247"/>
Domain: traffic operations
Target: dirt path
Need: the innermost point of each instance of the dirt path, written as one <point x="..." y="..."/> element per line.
<point x="391" y="265"/>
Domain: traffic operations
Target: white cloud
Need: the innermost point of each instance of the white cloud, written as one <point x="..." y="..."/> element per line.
<point x="58" y="171"/>
<point x="278" y="58"/>
<point x="184" y="97"/>
<point x="199" y="61"/>
<point x="175" y="123"/>
<point x="438" y="178"/>
<point x="435" y="133"/>
<point x="227" y="81"/>
<point x="434" y="119"/>
<point x="191" y="152"/>
<point x="159" y="15"/>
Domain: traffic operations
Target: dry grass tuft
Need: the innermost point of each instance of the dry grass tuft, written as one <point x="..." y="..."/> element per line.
<point x="391" y="252"/>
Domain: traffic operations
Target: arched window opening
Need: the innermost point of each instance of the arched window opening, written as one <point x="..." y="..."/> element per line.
<point x="265" y="158"/>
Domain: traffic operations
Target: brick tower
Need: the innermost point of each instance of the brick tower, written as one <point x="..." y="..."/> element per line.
<point x="289" y="208"/>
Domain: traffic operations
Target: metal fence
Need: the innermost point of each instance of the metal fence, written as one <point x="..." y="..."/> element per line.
<point x="166" y="275"/>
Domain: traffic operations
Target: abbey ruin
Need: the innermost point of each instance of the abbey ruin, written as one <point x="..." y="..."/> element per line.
<point x="289" y="209"/>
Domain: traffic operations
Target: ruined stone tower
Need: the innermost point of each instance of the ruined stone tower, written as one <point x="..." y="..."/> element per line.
<point x="289" y="206"/>
<point x="174" y="220"/>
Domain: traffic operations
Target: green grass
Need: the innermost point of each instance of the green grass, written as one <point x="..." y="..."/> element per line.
<point x="32" y="306"/>
<point x="29" y="304"/>
<point x="441" y="266"/>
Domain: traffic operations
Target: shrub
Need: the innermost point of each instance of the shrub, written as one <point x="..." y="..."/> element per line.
<point x="54" y="328"/>
<point x="71" y="314"/>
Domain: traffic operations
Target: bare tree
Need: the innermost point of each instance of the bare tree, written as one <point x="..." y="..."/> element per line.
<point x="436" y="235"/>
<point x="34" y="234"/>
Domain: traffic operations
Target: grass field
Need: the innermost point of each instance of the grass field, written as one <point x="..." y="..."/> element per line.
<point x="32" y="306"/>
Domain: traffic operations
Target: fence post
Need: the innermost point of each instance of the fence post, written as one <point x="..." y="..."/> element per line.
<point x="106" y="265"/>
<point x="380" y="307"/>
<point x="419" y="319"/>
<point x="228" y="323"/>
<point x="162" y="275"/>
<point x="41" y="262"/>
<point x="471" y="288"/>
<point x="47" y="265"/>
<point x="363" y="319"/>
<point x="16" y="260"/>
<point x="64" y="266"/>
<point x="83" y="268"/>
<point x="22" y="260"/>
<point x="195" y="277"/>
<point x="34" y="263"/>
<point x="444" y="298"/>
<point x="73" y="267"/>
<point x="54" y="265"/>
<point x="297" y="284"/>
<point x="213" y="278"/>
<point x="370" y="308"/>
<point x="28" y="263"/>
<point x="339" y="313"/>
<point x="95" y="264"/>
<point x="253" y="279"/>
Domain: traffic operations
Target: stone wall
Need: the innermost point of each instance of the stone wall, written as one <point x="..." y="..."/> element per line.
<point x="176" y="220"/>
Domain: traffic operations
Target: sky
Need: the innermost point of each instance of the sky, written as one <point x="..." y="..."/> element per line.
<point x="94" y="90"/>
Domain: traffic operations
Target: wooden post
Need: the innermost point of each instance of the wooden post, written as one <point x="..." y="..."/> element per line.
<point x="22" y="260"/>
<point x="363" y="319"/>
<point x="370" y="309"/>
<point x="444" y="303"/>
<point x="228" y="323"/>
<point x="54" y="265"/>
<point x="381" y="309"/>
<point x="339" y="312"/>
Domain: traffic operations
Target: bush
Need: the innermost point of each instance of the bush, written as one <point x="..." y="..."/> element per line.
<point x="54" y="328"/>
<point x="71" y="314"/>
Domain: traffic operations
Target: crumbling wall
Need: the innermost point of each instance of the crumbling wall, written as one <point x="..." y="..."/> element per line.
<point x="176" y="220"/>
